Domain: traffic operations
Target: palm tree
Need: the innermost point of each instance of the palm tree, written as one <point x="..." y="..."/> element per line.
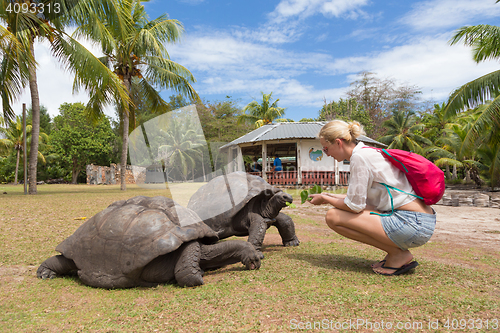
<point x="403" y="132"/>
<point x="436" y="122"/>
<point x="485" y="40"/>
<point x="134" y="48"/>
<point x="18" y="67"/>
<point x="453" y="151"/>
<point x="183" y="146"/>
<point x="263" y="113"/>
<point x="435" y="125"/>
<point x="489" y="154"/>
<point x="487" y="146"/>
<point x="14" y="140"/>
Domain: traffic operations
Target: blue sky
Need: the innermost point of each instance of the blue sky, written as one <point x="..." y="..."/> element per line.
<point x="306" y="51"/>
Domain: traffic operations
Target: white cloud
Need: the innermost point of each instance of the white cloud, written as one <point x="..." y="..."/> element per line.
<point x="429" y="63"/>
<point x="231" y="66"/>
<point x="225" y="55"/>
<point x="272" y="33"/>
<point x="304" y="8"/>
<point x="434" y="14"/>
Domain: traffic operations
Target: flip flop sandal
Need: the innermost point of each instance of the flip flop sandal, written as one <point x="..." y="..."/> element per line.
<point x="400" y="270"/>
<point x="380" y="262"/>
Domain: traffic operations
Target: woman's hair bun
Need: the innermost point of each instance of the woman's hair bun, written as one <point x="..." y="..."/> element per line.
<point x="339" y="129"/>
<point x="355" y="129"/>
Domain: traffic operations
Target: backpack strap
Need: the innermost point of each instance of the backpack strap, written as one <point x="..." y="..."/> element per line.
<point x="395" y="159"/>
<point x="388" y="154"/>
<point x="387" y="187"/>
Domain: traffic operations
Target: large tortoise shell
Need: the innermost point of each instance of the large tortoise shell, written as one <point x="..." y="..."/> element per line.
<point x="112" y="247"/>
<point x="227" y="194"/>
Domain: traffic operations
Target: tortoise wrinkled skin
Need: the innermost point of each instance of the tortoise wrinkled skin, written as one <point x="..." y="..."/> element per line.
<point x="144" y="242"/>
<point x="240" y="204"/>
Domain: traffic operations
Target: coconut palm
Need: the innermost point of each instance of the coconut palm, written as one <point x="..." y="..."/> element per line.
<point x="18" y="67"/>
<point x="452" y="151"/>
<point x="263" y="113"/>
<point x="487" y="145"/>
<point x="436" y="122"/>
<point x="183" y="146"/>
<point x="485" y="40"/>
<point x="489" y="155"/>
<point x="435" y="125"/>
<point x="14" y="69"/>
<point x="403" y="132"/>
<point x="14" y="140"/>
<point x="134" y="48"/>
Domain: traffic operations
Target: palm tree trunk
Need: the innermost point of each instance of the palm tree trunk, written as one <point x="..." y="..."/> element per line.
<point x="467" y="176"/>
<point x="17" y="167"/>
<point x="35" y="125"/>
<point x="454" y="173"/>
<point x="126" y="122"/>
<point x="448" y="175"/>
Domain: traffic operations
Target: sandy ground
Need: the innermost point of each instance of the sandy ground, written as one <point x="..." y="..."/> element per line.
<point x="470" y="226"/>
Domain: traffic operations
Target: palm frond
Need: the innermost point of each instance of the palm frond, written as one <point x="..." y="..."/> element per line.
<point x="448" y="161"/>
<point x="167" y="74"/>
<point x="484" y="38"/>
<point x="473" y="93"/>
<point x="91" y="74"/>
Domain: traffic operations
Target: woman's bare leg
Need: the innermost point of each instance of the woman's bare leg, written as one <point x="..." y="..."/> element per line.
<point x="367" y="228"/>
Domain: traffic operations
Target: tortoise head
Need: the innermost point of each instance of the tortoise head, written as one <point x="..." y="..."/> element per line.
<point x="275" y="200"/>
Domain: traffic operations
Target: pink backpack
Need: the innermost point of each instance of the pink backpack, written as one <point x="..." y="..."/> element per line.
<point x="424" y="176"/>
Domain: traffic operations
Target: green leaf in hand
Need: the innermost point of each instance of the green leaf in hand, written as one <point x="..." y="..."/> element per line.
<point x="316" y="189"/>
<point x="304" y="195"/>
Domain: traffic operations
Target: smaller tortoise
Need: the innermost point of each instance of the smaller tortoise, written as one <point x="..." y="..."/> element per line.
<point x="240" y="204"/>
<point x="144" y="242"/>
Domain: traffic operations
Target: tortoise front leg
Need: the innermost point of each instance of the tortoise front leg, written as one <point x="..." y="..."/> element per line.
<point x="56" y="266"/>
<point x="257" y="231"/>
<point x="227" y="253"/>
<point x="187" y="270"/>
<point x="286" y="228"/>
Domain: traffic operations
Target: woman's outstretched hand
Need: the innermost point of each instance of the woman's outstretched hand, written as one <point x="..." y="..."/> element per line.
<point x="317" y="199"/>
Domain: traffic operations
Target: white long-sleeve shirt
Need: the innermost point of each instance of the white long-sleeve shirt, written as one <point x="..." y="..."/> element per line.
<point x="369" y="168"/>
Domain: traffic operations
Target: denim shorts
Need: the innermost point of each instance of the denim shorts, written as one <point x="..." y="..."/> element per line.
<point x="409" y="229"/>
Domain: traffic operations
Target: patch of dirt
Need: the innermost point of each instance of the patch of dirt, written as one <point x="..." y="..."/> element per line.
<point x="16" y="274"/>
<point x="468" y="226"/>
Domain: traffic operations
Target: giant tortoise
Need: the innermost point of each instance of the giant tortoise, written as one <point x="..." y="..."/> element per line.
<point x="144" y="242"/>
<point x="241" y="204"/>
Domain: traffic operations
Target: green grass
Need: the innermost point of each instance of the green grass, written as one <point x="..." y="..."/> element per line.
<point x="326" y="280"/>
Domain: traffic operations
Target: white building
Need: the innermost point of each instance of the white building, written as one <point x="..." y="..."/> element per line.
<point x="298" y="146"/>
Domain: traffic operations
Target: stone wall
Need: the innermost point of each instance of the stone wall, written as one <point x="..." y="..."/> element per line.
<point x="97" y="175"/>
<point x="470" y="198"/>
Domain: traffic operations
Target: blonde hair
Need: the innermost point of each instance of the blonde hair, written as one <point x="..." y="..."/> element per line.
<point x="339" y="129"/>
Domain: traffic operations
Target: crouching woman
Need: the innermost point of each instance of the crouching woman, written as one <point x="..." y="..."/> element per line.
<point x="354" y="215"/>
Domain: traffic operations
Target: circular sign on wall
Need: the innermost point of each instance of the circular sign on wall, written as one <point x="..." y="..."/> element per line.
<point x="315" y="155"/>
